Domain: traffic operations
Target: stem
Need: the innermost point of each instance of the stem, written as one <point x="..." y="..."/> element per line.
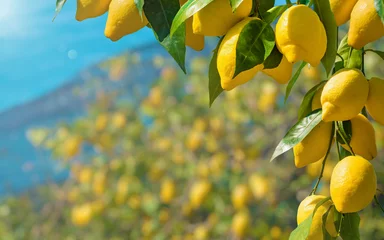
<point x="341" y="222"/>
<point x="310" y="3"/>
<point x="324" y="161"/>
<point x="362" y="61"/>
<point x="378" y="203"/>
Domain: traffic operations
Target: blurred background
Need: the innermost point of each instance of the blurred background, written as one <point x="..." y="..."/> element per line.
<point x="103" y="140"/>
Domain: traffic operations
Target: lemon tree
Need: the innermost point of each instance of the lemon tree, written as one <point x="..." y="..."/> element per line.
<point x="257" y="36"/>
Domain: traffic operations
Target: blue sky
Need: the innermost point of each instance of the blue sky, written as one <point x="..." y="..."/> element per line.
<point x="38" y="55"/>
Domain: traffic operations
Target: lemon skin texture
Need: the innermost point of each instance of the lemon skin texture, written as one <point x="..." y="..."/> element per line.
<point x="344" y="95"/>
<point x="314" y="146"/>
<point x="123" y="19"/>
<point x="363" y="141"/>
<point x="375" y="102"/>
<point x="306" y="208"/>
<point x="226" y="59"/>
<point x="300" y="35"/>
<point x="217" y="18"/>
<point x="365" y="24"/>
<point x="342" y="10"/>
<point x="282" y="73"/>
<point x="353" y="184"/>
<point x="91" y="8"/>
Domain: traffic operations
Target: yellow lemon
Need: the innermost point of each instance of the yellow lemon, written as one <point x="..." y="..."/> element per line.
<point x="201" y="233"/>
<point x="300" y="35"/>
<point x="119" y="120"/>
<point x="71" y="146"/>
<point x="226" y="59"/>
<point x="123" y="19"/>
<point x="217" y="18"/>
<point x="342" y="10"/>
<point x="240" y="196"/>
<point x="101" y="122"/>
<point x="192" y="40"/>
<point x="259" y="186"/>
<point x="99" y="181"/>
<point x="344" y="95"/>
<point x="375" y="102"/>
<point x="167" y="191"/>
<point x="81" y="215"/>
<point x="240" y="223"/>
<point x="91" y="8"/>
<point x="363" y="141"/>
<point x="306" y="208"/>
<point x="282" y="73"/>
<point x="198" y="193"/>
<point x="353" y="184"/>
<point x="365" y="24"/>
<point x="314" y="146"/>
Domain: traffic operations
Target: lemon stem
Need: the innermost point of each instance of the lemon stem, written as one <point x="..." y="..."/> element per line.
<point x="324" y="161"/>
<point x="378" y="203"/>
<point x="341" y="222"/>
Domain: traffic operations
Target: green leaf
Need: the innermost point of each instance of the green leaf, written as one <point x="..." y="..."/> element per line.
<point x="274" y="59"/>
<point x="323" y="9"/>
<point x="272" y="14"/>
<point x="326" y="235"/>
<point x="293" y="81"/>
<point x="306" y="104"/>
<point x="160" y="19"/>
<point x="338" y="65"/>
<point x="345" y="128"/>
<point x="302" y="231"/>
<point x="350" y="227"/>
<point x="379" y="5"/>
<point x="352" y="57"/>
<point x="380" y="53"/>
<point x="235" y="4"/>
<point x="304" y="2"/>
<point x="265" y="5"/>
<point x="59" y="6"/>
<point x="344" y="153"/>
<point x="255" y="43"/>
<point x="140" y="4"/>
<point x="215" y="88"/>
<point x="186" y="11"/>
<point x="297" y="133"/>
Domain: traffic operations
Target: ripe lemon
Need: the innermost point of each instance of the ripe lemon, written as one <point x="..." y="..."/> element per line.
<point x="282" y="73"/>
<point x="306" y="208"/>
<point x="365" y="24"/>
<point x="344" y="95"/>
<point x="240" y="196"/>
<point x="91" y="8"/>
<point x="198" y="193"/>
<point x="217" y="18"/>
<point x="342" y="10"/>
<point x="71" y="146"/>
<point x="259" y="186"/>
<point x="300" y="35"/>
<point x="226" y="59"/>
<point x="192" y="40"/>
<point x="314" y="146"/>
<point x="353" y="184"/>
<point x="240" y="223"/>
<point x="167" y="191"/>
<point x="363" y="140"/>
<point x="123" y="19"/>
<point x="81" y="215"/>
<point x="375" y="102"/>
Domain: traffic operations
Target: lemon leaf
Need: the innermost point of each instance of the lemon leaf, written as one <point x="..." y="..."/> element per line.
<point x="265" y="5"/>
<point x="59" y="6"/>
<point x="304" y="2"/>
<point x="306" y="104"/>
<point x="326" y="235"/>
<point x="160" y="14"/>
<point x="323" y="9"/>
<point x="297" y="133"/>
<point x="352" y="57"/>
<point x="272" y="14"/>
<point x="302" y="231"/>
<point x="186" y="11"/>
<point x="235" y="4"/>
<point x="380" y="53"/>
<point x="274" y="59"/>
<point x="379" y="5"/>
<point x="215" y="88"/>
<point x="293" y="80"/>
<point x="350" y="227"/>
<point x="140" y="4"/>
<point x="252" y="49"/>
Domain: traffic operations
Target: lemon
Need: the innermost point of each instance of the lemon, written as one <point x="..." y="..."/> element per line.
<point x="240" y="223"/>
<point x="342" y="10"/>
<point x="201" y="233"/>
<point x="217" y="18"/>
<point x="365" y="24"/>
<point x="300" y="35"/>
<point x="282" y="73"/>
<point x="240" y="196"/>
<point x="314" y="146"/>
<point x="119" y="120"/>
<point x="226" y="59"/>
<point x="306" y="208"/>
<point x="91" y="8"/>
<point x="363" y="141"/>
<point x="71" y="146"/>
<point x="375" y="102"/>
<point x="259" y="186"/>
<point x="344" y="95"/>
<point x="167" y="191"/>
<point x="353" y="184"/>
<point x="123" y="19"/>
<point x="192" y="40"/>
<point x="99" y="182"/>
<point x="81" y="215"/>
<point x="198" y="193"/>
